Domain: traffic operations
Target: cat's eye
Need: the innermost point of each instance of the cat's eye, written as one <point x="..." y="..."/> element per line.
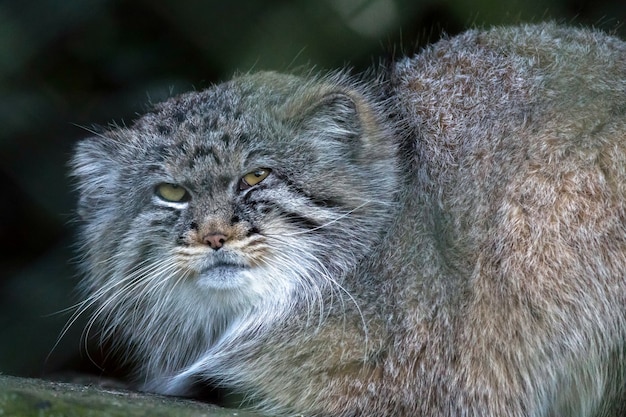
<point x="172" y="193"/>
<point x="253" y="178"/>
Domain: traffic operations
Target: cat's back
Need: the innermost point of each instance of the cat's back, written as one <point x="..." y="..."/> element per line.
<point x="519" y="166"/>
<point x="513" y="123"/>
<point x="508" y="94"/>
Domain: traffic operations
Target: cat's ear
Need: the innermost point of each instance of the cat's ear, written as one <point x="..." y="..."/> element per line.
<point x="94" y="170"/>
<point x="333" y="114"/>
<point x="336" y="114"/>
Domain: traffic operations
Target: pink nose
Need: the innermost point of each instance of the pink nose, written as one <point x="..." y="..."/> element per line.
<point x="215" y="240"/>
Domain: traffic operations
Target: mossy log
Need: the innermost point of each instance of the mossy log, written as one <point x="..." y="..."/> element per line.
<point x="25" y="397"/>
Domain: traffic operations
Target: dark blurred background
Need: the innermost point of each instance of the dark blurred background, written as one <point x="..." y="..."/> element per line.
<point x="68" y="65"/>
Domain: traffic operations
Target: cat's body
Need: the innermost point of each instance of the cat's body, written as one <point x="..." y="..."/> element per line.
<point x="448" y="241"/>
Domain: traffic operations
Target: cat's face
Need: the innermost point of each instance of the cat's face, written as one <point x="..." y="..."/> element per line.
<point x="241" y="197"/>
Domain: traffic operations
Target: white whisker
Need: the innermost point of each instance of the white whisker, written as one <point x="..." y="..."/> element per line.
<point x="335" y="220"/>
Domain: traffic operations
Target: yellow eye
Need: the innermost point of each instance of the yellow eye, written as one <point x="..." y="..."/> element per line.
<point x="253" y="178"/>
<point x="172" y="192"/>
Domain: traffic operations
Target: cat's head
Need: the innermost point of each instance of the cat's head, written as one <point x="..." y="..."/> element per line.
<point x="245" y="196"/>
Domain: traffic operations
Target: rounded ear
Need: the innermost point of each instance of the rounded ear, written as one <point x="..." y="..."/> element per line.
<point x="95" y="172"/>
<point x="337" y="115"/>
<point x="333" y="114"/>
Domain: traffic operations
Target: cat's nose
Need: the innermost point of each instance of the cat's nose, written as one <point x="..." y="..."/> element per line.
<point x="215" y="240"/>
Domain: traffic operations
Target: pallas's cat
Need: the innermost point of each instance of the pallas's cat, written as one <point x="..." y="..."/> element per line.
<point x="445" y="237"/>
